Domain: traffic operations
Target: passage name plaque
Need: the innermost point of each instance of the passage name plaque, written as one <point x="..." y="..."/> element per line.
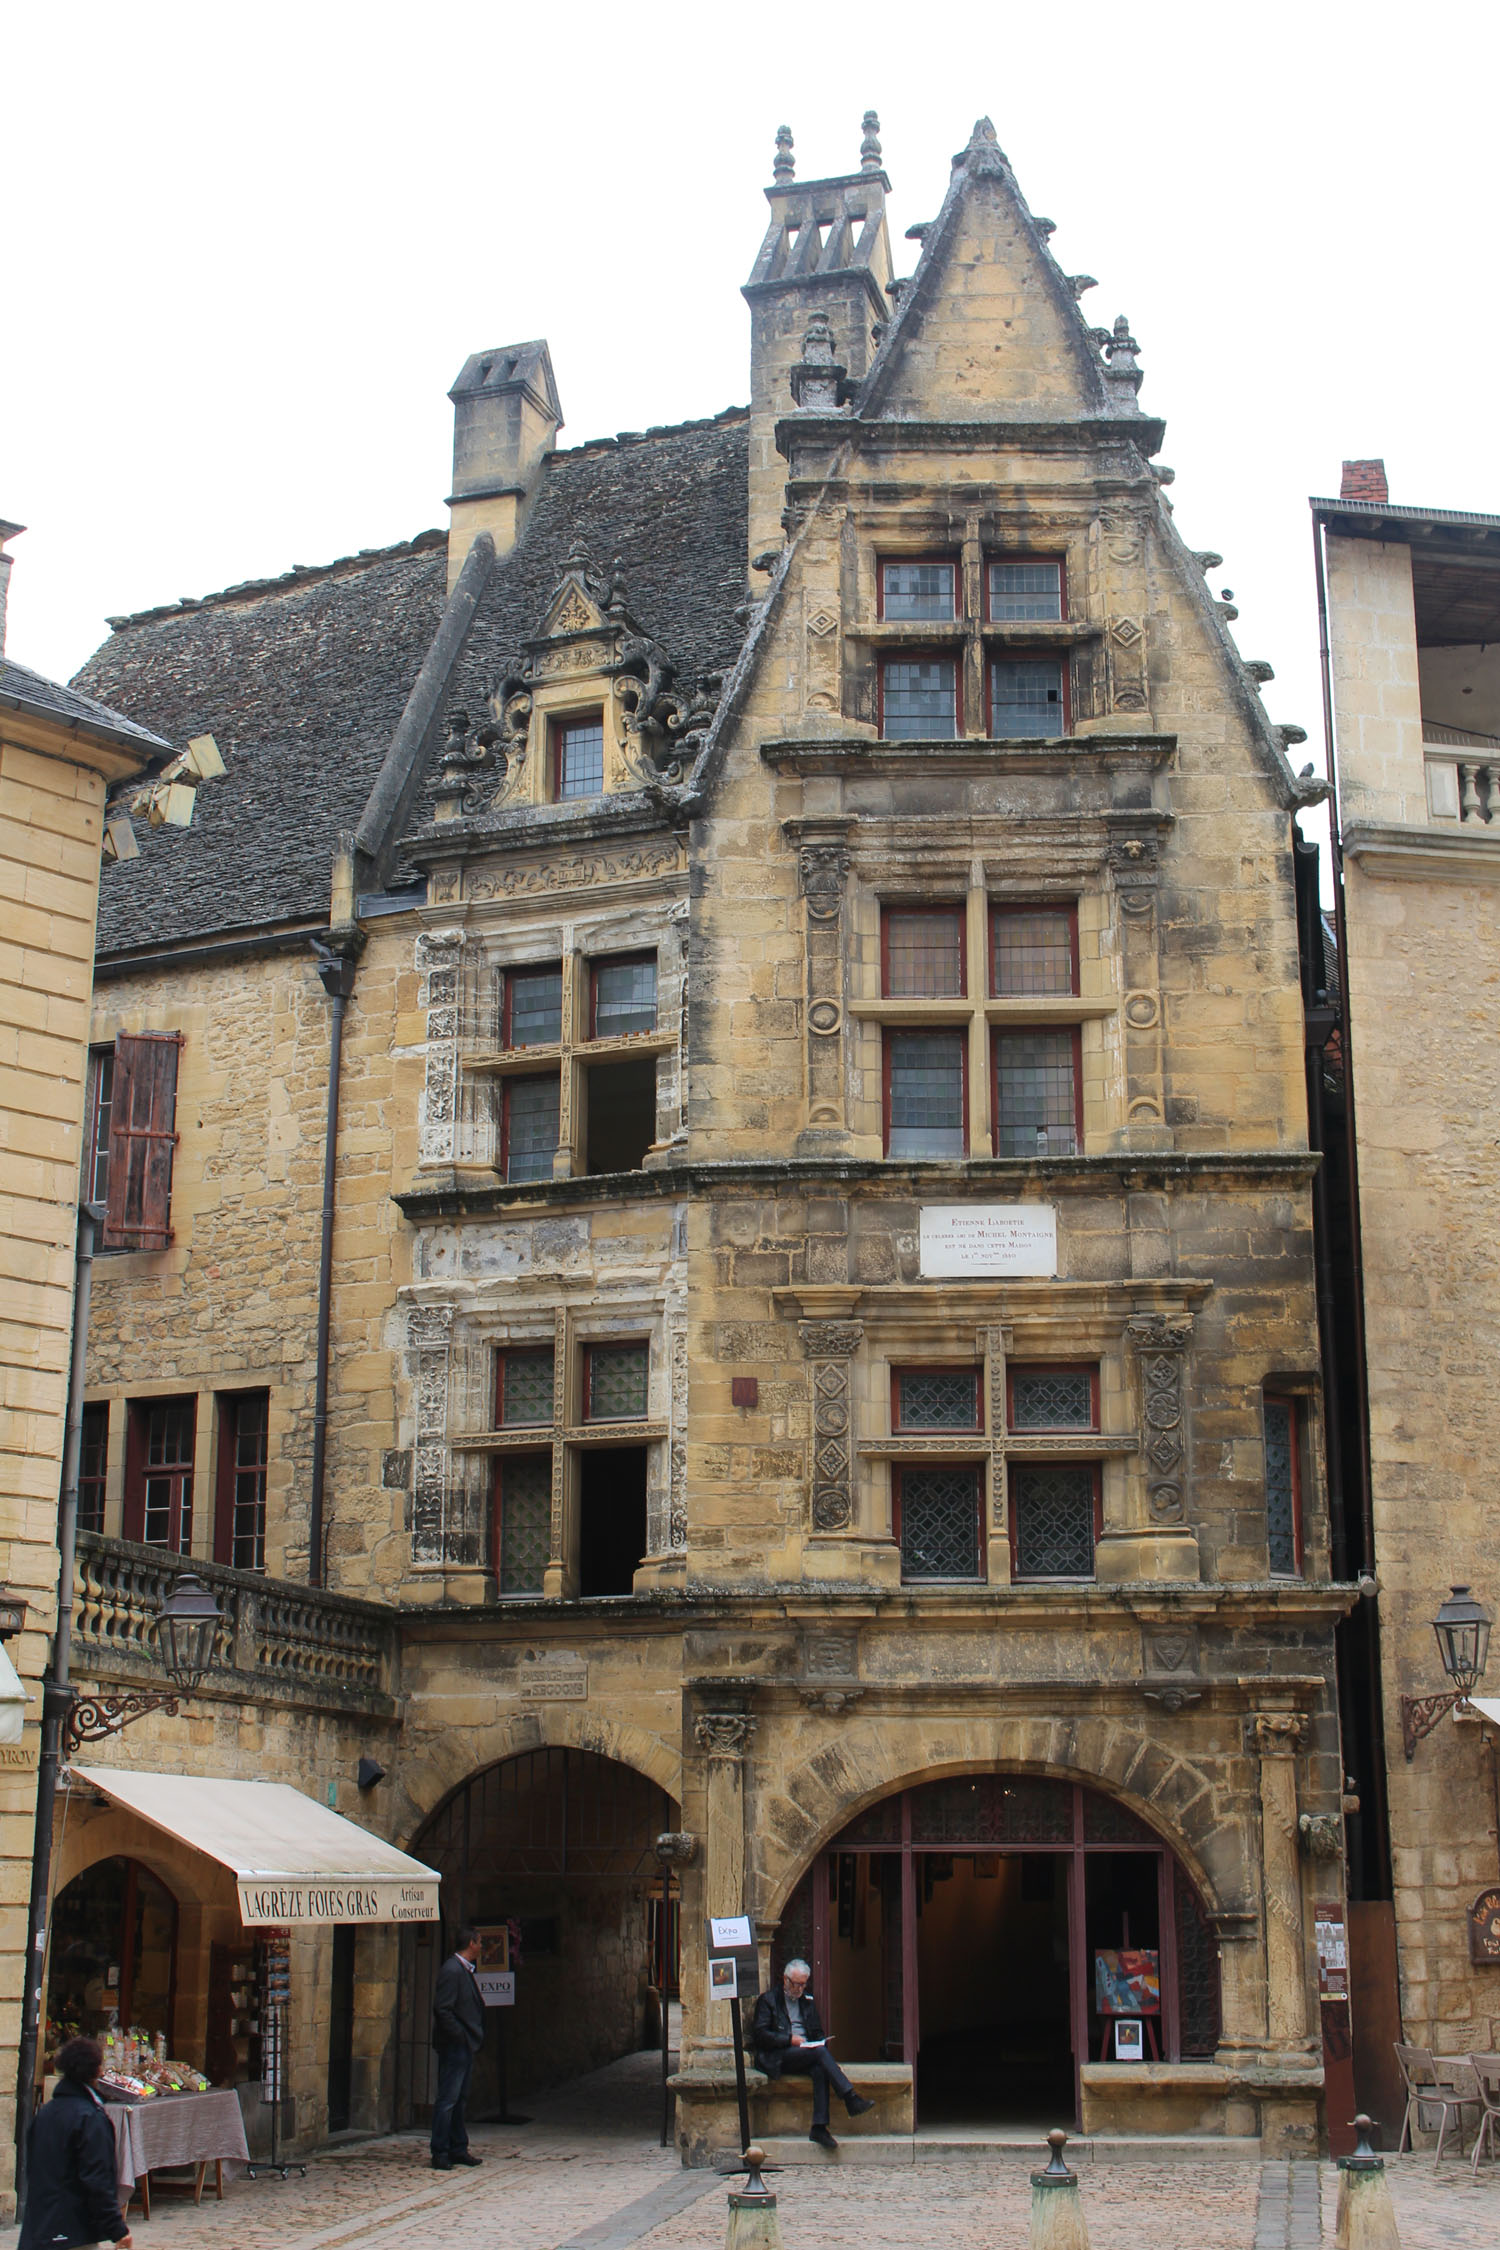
<point x="989" y="1238"/>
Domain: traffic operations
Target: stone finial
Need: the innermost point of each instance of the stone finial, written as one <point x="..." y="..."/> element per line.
<point x="1122" y="373"/>
<point x="869" y="147"/>
<point x="983" y="153"/>
<point x="818" y="380"/>
<point x="615" y="599"/>
<point x="784" y="170"/>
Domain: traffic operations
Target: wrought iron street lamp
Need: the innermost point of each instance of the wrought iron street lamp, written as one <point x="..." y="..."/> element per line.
<point x="184" y="1628"/>
<point x="1462" y="1627"/>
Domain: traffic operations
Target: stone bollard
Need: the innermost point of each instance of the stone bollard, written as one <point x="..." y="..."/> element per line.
<point x="753" y="2224"/>
<point x="1057" y="2220"/>
<point x="1367" y="2219"/>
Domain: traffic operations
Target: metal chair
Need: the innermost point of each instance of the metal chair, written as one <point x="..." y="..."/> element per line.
<point x="1428" y="2088"/>
<point x="1487" y="2075"/>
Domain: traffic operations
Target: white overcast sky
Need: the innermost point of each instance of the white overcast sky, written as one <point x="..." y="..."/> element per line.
<point x="246" y="251"/>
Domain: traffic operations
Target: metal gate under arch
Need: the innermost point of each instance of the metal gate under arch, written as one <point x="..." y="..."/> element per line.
<point x="558" y="1843"/>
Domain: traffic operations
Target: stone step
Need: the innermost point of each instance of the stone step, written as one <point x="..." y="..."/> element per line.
<point x="963" y="2145"/>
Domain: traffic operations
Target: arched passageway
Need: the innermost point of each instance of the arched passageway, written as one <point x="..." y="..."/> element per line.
<point x="554" y="1846"/>
<point x="991" y="1929"/>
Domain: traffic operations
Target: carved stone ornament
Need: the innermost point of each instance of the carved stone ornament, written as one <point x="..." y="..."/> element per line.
<point x="675" y="1847"/>
<point x="1278" y="1734"/>
<point x="824" y="870"/>
<point x="1161" y="1341"/>
<point x="724" y="1734"/>
<point x="1321" y="1835"/>
<point x="1132" y="854"/>
<point x="831" y="1655"/>
<point x="1173" y="1698"/>
<point x="831" y="1339"/>
<point x="833" y="1700"/>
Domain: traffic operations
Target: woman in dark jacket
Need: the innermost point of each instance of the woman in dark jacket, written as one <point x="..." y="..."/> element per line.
<point x="71" y="2193"/>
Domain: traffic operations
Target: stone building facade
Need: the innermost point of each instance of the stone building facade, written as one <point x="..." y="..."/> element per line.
<point x="823" y="1350"/>
<point x="1412" y="600"/>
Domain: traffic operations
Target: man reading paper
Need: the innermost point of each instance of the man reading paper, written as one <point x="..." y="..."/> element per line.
<point x="788" y="2036"/>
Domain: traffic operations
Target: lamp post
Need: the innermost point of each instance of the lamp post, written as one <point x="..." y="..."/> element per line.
<point x="1462" y="1628"/>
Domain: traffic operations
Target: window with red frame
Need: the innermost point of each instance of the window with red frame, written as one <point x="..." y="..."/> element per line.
<point x="918" y="591"/>
<point x="523" y="1522"/>
<point x="525" y="1380"/>
<point x="935" y="1398"/>
<point x="1033" y="949"/>
<point x="1283" y="1485"/>
<point x="1055" y="1518"/>
<point x="578" y="755"/>
<point x="159" y="1473"/>
<point x="1038" y="1106"/>
<point x="622" y="996"/>
<point x="1028" y="697"/>
<point x="926" y="1100"/>
<point x="922" y="953"/>
<point x="531" y="1005"/>
<point x="616" y="1382"/>
<point x="1018" y="591"/>
<point x="919" y="699"/>
<point x="528" y="1127"/>
<point x="93" y="1465"/>
<point x="244" y="1458"/>
<point x="1042" y="1397"/>
<point x="939" y="1521"/>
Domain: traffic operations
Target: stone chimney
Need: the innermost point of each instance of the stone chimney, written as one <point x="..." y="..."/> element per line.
<point x="8" y="531"/>
<point x="506" y="417"/>
<point x="1364" y="480"/>
<point x="826" y="252"/>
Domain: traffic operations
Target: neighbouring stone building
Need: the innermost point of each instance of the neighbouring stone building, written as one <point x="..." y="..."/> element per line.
<point x="823" y="1357"/>
<point x="59" y="754"/>
<point x="1411" y="597"/>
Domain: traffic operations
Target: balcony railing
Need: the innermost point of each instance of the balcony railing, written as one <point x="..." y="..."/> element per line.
<point x="1463" y="774"/>
<point x="278" y="1641"/>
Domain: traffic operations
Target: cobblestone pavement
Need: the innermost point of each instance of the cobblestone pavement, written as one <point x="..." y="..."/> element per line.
<point x="588" y="2173"/>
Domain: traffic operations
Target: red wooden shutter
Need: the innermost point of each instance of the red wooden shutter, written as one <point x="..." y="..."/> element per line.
<point x="142" y="1136"/>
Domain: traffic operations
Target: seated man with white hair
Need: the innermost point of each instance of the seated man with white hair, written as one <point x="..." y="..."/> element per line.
<point x="787" y="2035"/>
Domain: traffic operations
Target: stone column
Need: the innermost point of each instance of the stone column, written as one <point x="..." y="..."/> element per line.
<point x="823" y="868"/>
<point x="1133" y="863"/>
<point x="725" y="1737"/>
<point x="1278" y="1736"/>
<point x="430" y="1339"/>
<point x="830" y="1345"/>
<point x="1164" y="1544"/>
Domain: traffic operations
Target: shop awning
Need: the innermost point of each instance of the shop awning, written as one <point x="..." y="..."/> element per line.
<point x="1488" y="1707"/>
<point x="292" y="1860"/>
<point x="13" y="1701"/>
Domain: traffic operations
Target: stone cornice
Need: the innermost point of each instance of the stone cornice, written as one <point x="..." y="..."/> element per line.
<point x="1044" y="434"/>
<point x="447" y="1195"/>
<point x="1109" y="753"/>
<point x="1398" y="850"/>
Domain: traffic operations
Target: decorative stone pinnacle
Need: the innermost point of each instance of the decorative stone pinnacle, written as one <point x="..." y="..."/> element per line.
<point x="983" y="131"/>
<point x="785" y="167"/>
<point x="615" y="600"/>
<point x="817" y="380"/>
<point x="869" y="147"/>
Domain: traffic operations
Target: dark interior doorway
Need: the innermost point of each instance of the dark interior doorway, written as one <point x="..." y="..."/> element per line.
<point x="992" y="1966"/>
<point x="341" y="2030"/>
<point x="611" y="1517"/>
<point x="621" y="1114"/>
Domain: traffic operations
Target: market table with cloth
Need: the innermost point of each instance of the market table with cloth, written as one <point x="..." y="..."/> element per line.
<point x="176" y="2129"/>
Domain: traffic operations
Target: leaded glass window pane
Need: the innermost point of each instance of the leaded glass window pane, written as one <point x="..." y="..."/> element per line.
<point x="1026" y="697"/>
<point x="531" y="1121"/>
<point x="918" y="701"/>
<point x="525" y="1388"/>
<point x="924" y="953"/>
<point x="534" y="999"/>
<point x="523" y="1522"/>
<point x="1052" y="1398"/>
<point x="926" y="1093"/>
<point x="1281" y="1488"/>
<point x="939" y="1523"/>
<point x="937" y="1398"/>
<point x="618" y="1380"/>
<point x="1036" y="1111"/>
<point x="1052" y="1520"/>
<point x="624" y="998"/>
<point x="580" y="758"/>
<point x="1031" y="950"/>
<point x="1025" y="589"/>
<point x="917" y="590"/>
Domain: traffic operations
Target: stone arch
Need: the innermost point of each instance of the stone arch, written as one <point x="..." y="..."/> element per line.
<point x="460" y="1753"/>
<point x="865" y="1760"/>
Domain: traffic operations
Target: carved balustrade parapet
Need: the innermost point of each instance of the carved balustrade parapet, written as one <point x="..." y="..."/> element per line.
<point x="277" y="1641"/>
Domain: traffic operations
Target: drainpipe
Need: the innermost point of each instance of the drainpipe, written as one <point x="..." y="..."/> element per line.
<point x="336" y="971"/>
<point x="57" y="1698"/>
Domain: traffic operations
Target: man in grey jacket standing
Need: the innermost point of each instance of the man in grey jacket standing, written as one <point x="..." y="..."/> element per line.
<point x="457" y="2036"/>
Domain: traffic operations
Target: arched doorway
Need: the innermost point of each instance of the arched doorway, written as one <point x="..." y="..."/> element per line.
<point x="958" y="1926"/>
<point x="113" y="1956"/>
<point x="556" y="1844"/>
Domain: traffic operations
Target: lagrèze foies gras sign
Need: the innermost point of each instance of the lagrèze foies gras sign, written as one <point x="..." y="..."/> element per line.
<point x="338" y="1899"/>
<point x="988" y="1238"/>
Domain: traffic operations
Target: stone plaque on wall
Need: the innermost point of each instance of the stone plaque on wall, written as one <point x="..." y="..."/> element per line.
<point x="989" y="1238"/>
